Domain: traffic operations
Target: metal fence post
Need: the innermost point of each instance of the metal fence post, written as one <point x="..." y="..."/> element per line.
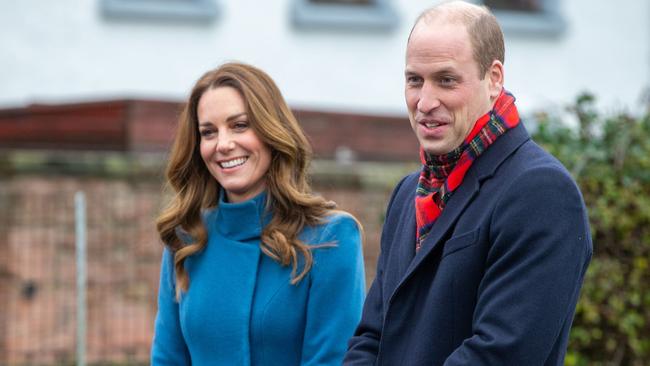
<point x="6" y="211"/>
<point x="80" y="231"/>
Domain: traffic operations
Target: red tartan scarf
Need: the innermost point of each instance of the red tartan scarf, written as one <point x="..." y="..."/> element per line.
<point x="442" y="174"/>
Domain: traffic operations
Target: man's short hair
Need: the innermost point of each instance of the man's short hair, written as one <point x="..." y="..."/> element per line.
<point x="484" y="31"/>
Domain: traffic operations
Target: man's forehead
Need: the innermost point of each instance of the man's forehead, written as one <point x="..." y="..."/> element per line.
<point x="436" y="50"/>
<point x="439" y="40"/>
<point x="434" y="62"/>
<point x="431" y="25"/>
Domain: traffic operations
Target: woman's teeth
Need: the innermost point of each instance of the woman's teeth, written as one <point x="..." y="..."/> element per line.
<point x="233" y="163"/>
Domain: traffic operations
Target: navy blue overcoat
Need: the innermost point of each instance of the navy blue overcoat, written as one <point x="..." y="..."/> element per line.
<point x="496" y="281"/>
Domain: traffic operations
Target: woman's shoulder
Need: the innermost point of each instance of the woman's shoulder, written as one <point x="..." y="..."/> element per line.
<point x="335" y="227"/>
<point x="339" y="217"/>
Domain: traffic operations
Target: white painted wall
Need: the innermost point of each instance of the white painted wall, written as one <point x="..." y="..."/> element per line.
<point x="65" y="51"/>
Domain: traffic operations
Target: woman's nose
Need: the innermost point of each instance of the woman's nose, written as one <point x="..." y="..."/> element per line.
<point x="225" y="143"/>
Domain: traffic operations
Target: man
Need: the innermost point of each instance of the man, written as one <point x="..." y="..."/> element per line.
<point x="483" y="251"/>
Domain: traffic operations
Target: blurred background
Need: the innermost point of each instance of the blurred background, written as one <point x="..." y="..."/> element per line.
<point x="90" y="91"/>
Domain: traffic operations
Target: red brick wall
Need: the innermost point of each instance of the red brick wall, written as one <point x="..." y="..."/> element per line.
<point x="371" y="138"/>
<point x="37" y="264"/>
<point x="151" y="125"/>
<point x="39" y="297"/>
<point x="148" y="126"/>
<point x="94" y="126"/>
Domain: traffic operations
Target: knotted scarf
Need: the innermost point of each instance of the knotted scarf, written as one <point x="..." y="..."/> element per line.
<point x="442" y="174"/>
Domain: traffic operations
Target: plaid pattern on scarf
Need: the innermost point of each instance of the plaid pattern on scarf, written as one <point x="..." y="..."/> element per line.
<point x="442" y="174"/>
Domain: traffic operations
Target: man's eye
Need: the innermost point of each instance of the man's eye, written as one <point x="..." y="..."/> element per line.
<point x="413" y="79"/>
<point x="447" y="81"/>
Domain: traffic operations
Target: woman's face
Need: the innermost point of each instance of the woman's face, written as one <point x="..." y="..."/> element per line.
<point x="231" y="150"/>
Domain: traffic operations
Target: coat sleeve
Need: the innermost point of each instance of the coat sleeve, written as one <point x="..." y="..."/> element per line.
<point x="168" y="346"/>
<point x="364" y="344"/>
<point x="337" y="287"/>
<point x="363" y="347"/>
<point x="540" y="249"/>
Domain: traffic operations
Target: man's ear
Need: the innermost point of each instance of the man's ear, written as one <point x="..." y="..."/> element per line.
<point x="495" y="76"/>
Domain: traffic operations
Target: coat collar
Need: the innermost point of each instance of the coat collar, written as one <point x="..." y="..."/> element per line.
<point x="239" y="221"/>
<point x="483" y="168"/>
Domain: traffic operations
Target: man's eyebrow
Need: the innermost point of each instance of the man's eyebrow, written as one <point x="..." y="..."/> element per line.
<point x="444" y="70"/>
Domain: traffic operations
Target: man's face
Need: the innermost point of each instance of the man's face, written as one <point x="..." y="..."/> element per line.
<point x="445" y="94"/>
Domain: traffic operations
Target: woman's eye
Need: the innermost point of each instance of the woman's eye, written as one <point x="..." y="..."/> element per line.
<point x="239" y="126"/>
<point x="206" y="133"/>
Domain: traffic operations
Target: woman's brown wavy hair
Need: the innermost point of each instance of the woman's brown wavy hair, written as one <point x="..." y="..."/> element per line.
<point x="289" y="191"/>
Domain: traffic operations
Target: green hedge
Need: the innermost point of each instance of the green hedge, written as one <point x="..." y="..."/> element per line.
<point x="609" y="156"/>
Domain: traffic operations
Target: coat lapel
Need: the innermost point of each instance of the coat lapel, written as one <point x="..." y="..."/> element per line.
<point x="455" y="206"/>
<point x="482" y="169"/>
<point x="406" y="252"/>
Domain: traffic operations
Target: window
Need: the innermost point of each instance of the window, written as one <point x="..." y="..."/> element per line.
<point x="179" y="10"/>
<point x="347" y="2"/>
<point x="348" y="14"/>
<point x="531" y="6"/>
<point x="536" y="17"/>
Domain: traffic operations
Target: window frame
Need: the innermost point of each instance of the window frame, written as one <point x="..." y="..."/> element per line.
<point x="160" y="10"/>
<point x="547" y="22"/>
<point x="378" y="15"/>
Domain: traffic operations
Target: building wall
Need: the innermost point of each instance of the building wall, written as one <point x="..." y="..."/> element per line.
<point x="149" y="126"/>
<point x="66" y="51"/>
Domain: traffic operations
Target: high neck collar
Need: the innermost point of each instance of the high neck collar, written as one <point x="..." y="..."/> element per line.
<point x="240" y="221"/>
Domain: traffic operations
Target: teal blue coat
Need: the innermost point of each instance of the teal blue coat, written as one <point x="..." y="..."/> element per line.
<point x="240" y="308"/>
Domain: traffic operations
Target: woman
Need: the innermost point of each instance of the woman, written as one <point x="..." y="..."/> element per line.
<point x="256" y="270"/>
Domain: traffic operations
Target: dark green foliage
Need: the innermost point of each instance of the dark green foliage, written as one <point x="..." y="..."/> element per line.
<point x="610" y="159"/>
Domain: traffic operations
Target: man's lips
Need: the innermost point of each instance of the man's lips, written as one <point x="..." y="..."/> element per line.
<point x="432" y="123"/>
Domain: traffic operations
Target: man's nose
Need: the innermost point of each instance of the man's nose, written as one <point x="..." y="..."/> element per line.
<point x="428" y="99"/>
